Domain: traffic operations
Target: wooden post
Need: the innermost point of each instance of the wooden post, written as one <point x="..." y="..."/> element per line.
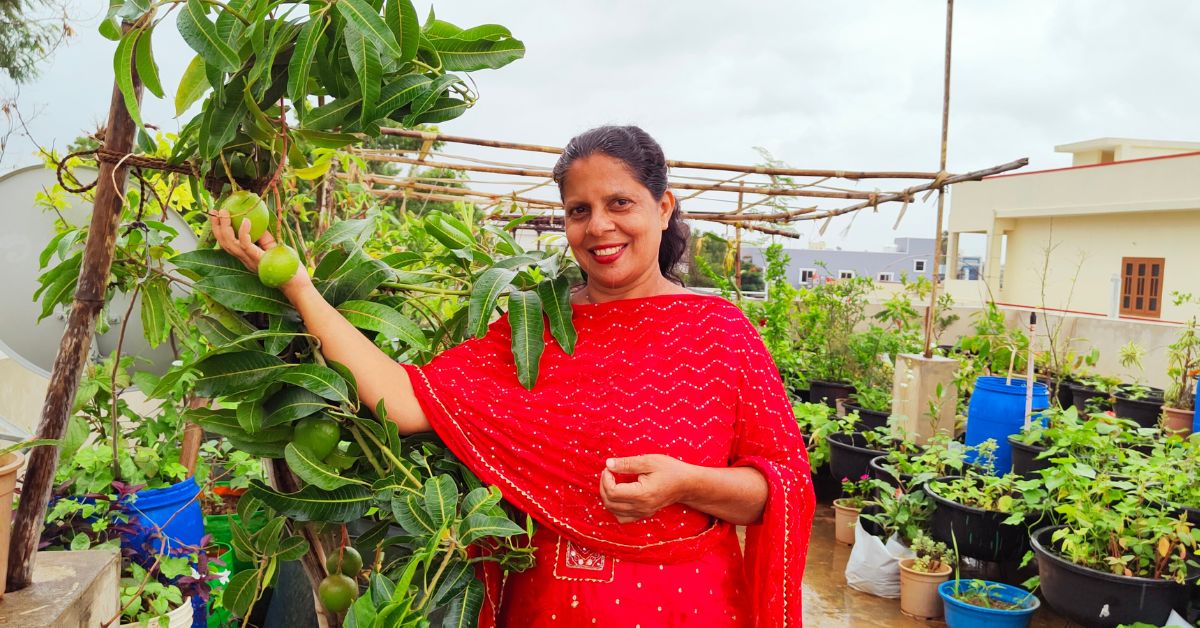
<point x="76" y="340"/>
<point x="941" y="191"/>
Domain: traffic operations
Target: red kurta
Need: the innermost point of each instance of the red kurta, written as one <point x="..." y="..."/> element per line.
<point x="682" y="375"/>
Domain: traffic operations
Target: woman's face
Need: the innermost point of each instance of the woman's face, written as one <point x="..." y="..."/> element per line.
<point x="614" y="225"/>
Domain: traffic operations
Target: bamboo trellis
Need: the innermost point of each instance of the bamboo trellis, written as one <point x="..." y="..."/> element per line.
<point x="753" y="197"/>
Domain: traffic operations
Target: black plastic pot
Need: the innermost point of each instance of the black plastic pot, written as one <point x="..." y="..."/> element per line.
<point x="826" y="487"/>
<point x="1192" y="514"/>
<point x="1025" y="458"/>
<point x="868" y="419"/>
<point x="1145" y="411"/>
<point x="1064" y="395"/>
<point x="800" y="395"/>
<point x="876" y="470"/>
<point x="820" y="391"/>
<point x="1081" y="394"/>
<point x="980" y="534"/>
<point x="849" y="456"/>
<point x="1101" y="599"/>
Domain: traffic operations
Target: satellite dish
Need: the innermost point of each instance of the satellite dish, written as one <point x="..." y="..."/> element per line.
<point x="27" y="230"/>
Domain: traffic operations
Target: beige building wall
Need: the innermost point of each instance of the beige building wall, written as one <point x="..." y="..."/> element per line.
<point x="1086" y="218"/>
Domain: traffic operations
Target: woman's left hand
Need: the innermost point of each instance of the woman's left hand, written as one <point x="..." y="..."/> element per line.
<point x="661" y="481"/>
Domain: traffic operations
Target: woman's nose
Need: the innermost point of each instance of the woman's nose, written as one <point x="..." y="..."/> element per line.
<point x="599" y="223"/>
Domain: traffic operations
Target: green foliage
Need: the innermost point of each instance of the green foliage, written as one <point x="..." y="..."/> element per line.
<point x="28" y="34"/>
<point x="932" y="556"/>
<point x="1183" y="361"/>
<point x="816" y="421"/>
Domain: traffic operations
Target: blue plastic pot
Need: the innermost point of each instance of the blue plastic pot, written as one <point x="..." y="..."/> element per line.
<point x="168" y="520"/>
<point x="997" y="411"/>
<point x="962" y="615"/>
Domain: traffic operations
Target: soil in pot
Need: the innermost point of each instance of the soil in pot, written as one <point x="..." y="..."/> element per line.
<point x="867" y="419"/>
<point x="845" y="517"/>
<point x="978" y="533"/>
<point x="1004" y="606"/>
<point x="820" y="391"/>
<point x="849" y="455"/>
<point x="1025" y="461"/>
<point x="919" y="591"/>
<point x="1096" y="598"/>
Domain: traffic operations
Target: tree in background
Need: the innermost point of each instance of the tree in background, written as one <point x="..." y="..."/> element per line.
<point x="710" y="265"/>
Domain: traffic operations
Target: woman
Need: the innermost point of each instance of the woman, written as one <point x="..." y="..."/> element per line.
<point x="638" y="453"/>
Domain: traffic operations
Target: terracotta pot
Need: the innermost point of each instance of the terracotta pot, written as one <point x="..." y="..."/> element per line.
<point x="919" y="591"/>
<point x="1177" y="421"/>
<point x="844" y="520"/>
<point x="9" y="465"/>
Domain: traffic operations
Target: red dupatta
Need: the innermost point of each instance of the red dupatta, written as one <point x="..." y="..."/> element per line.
<point x="682" y="375"/>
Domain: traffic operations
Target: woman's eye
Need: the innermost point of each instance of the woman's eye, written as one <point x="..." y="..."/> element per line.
<point x="577" y="211"/>
<point x="622" y="202"/>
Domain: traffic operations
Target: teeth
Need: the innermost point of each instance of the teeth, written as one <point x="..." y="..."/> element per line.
<point x="612" y="250"/>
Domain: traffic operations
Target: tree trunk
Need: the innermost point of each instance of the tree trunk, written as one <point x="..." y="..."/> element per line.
<point x="76" y="341"/>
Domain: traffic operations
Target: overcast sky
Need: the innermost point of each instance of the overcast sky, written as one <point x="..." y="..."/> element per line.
<point x="853" y="85"/>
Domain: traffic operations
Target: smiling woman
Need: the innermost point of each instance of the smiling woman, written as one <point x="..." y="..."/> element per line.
<point x="640" y="448"/>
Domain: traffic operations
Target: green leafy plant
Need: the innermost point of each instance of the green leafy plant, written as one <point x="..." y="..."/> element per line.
<point x="931" y="556"/>
<point x="982" y="593"/>
<point x="904" y="513"/>
<point x="856" y="492"/>
<point x="1183" y="361"/>
<point x="816" y="421"/>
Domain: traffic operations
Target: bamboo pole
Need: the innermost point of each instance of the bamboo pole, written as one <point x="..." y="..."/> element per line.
<point x="941" y="199"/>
<point x="76" y="340"/>
<point x="679" y="185"/>
<point x="694" y="165"/>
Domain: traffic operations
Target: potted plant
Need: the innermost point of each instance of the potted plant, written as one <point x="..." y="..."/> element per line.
<point x="851" y="450"/>
<point x="816" y="422"/>
<point x="872" y="405"/>
<point x="1136" y="401"/>
<point x="834" y="310"/>
<point x="1183" y="365"/>
<point x="974" y="603"/>
<point x="1094" y="394"/>
<point x="921" y="576"/>
<point x="846" y="508"/>
<point x="983" y="515"/>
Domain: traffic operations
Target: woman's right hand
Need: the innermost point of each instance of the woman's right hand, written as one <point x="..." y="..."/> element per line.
<point x="246" y="250"/>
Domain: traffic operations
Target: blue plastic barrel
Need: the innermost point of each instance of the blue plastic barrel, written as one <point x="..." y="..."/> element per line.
<point x="167" y="520"/>
<point x="997" y="411"/>
<point x="1196" y="416"/>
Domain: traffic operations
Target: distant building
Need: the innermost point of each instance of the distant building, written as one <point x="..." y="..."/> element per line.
<point x="1113" y="234"/>
<point x="910" y="257"/>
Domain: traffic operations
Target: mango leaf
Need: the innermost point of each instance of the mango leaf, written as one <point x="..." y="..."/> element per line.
<point x="450" y="231"/>
<point x="347" y="376"/>
<point x="484" y="294"/>
<point x="341" y="505"/>
<point x="240" y="592"/>
<point x="440" y="110"/>
<point x="227" y="373"/>
<point x="363" y="275"/>
<point x="156" y="306"/>
<point x="318" y="379"/>
<point x="302" y="59"/>
<point x="291" y="548"/>
<point x="402" y="91"/>
<point x="380" y="589"/>
<point x="441" y="497"/>
<point x="244" y="293"/>
<point x="365" y="19"/>
<point x="147" y="67"/>
<point x="251" y="416"/>
<point x="528" y="329"/>
<point x="436" y="90"/>
<point x="202" y="36"/>
<point x="468" y="56"/>
<point x="292" y="403"/>
<point x="401" y="18"/>
<point x="385" y="320"/>
<point x="314" y="472"/>
<point x="281" y="330"/>
<point x="330" y="114"/>
<point x="480" y="500"/>
<point x="361" y="614"/>
<point x="123" y="69"/>
<point x="364" y="58"/>
<point x="255" y="447"/>
<point x="411" y="515"/>
<point x="556" y="302"/>
<point x="207" y="262"/>
<point x="342" y="232"/>
<point x="453" y="583"/>
<point x="464" y="609"/>
<point x="324" y="139"/>
<point x="475" y="527"/>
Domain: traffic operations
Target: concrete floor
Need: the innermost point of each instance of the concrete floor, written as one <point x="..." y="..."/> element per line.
<point x="828" y="602"/>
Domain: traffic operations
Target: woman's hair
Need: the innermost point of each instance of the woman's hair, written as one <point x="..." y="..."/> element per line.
<point x="644" y="157"/>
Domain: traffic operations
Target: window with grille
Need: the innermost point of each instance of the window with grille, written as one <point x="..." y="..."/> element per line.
<point x="845" y="274"/>
<point x="807" y="275"/>
<point x="1141" y="286"/>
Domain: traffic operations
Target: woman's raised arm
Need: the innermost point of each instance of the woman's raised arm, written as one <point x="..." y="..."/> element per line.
<point x="378" y="377"/>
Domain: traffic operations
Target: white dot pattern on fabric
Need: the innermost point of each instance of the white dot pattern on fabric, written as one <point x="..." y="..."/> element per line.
<point x="686" y="377"/>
